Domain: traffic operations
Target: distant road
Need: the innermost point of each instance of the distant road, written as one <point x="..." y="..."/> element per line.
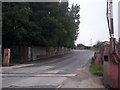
<point x="52" y="72"/>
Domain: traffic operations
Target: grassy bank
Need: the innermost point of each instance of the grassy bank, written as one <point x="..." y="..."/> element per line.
<point x="96" y="69"/>
<point x="97" y="51"/>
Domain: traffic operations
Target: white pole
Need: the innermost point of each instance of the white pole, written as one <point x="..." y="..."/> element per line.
<point x="110" y="17"/>
<point x="119" y="21"/>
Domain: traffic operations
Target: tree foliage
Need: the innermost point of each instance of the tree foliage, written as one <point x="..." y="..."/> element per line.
<point x="98" y="44"/>
<point x="80" y="45"/>
<point x="42" y="24"/>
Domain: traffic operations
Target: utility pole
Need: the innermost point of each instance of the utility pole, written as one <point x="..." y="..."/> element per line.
<point x="91" y="41"/>
<point x="84" y="42"/>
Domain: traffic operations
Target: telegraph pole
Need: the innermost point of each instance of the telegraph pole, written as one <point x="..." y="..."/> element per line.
<point x="91" y="41"/>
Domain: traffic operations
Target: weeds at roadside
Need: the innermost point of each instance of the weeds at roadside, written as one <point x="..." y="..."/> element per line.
<point x="96" y="69"/>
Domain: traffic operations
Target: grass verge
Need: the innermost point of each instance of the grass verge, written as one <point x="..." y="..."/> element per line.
<point x="96" y="69"/>
<point x="97" y="51"/>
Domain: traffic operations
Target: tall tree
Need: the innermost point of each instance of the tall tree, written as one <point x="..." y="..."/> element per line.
<point x="43" y="24"/>
<point x="15" y="18"/>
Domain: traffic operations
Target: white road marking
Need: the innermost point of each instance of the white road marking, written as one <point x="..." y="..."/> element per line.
<point x="38" y="75"/>
<point x="43" y="82"/>
<point x="53" y="71"/>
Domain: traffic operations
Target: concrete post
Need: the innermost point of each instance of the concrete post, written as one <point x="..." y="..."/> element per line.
<point x="6" y="58"/>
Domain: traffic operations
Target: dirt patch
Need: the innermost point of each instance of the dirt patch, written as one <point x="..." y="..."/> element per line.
<point x="84" y="79"/>
<point x="93" y="81"/>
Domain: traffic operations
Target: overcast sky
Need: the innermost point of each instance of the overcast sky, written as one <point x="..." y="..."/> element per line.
<point x="93" y="26"/>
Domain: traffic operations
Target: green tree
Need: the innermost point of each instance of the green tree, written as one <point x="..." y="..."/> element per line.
<point x="42" y="24"/>
<point x="15" y="18"/>
<point x="98" y="44"/>
<point x="80" y="45"/>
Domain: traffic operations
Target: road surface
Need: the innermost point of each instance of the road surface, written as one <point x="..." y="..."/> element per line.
<point x="67" y="71"/>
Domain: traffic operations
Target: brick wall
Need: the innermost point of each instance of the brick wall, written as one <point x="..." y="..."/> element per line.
<point x="24" y="54"/>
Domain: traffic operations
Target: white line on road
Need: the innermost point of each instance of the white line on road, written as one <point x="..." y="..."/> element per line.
<point x="39" y="75"/>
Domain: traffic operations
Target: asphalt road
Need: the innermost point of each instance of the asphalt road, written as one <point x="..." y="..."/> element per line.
<point x="56" y="72"/>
